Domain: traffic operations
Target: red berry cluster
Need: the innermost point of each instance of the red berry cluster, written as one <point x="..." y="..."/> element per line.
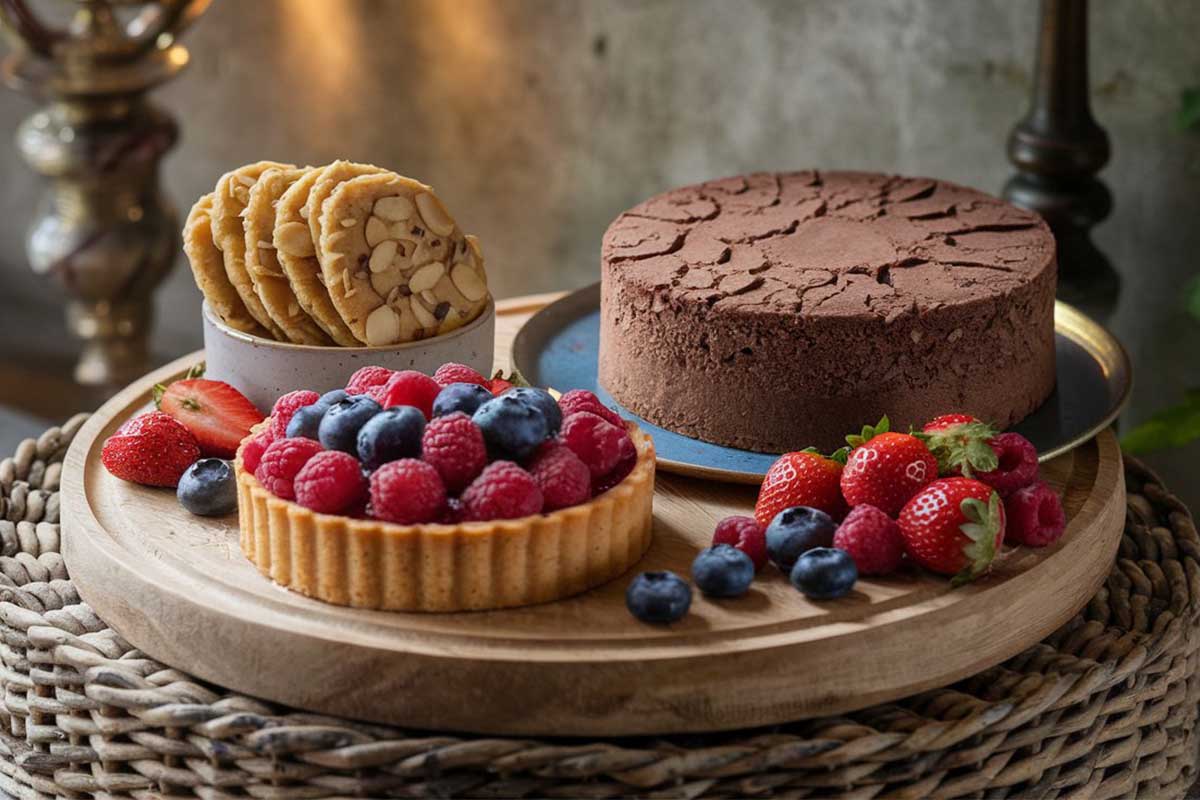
<point x="453" y="479"/>
<point x="945" y="497"/>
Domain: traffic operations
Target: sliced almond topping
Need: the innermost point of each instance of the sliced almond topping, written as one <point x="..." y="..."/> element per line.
<point x="382" y="255"/>
<point x="377" y="231"/>
<point x="266" y="246"/>
<point x="476" y="250"/>
<point x="430" y="298"/>
<point x="423" y="315"/>
<point x="349" y="222"/>
<point x="304" y="211"/>
<point x="394" y="209"/>
<point x="245" y="180"/>
<point x="437" y="219"/>
<point x="385" y="282"/>
<point x="467" y="281"/>
<point x="383" y="326"/>
<point x="427" y="276"/>
<point x="293" y="309"/>
<point x="294" y="239"/>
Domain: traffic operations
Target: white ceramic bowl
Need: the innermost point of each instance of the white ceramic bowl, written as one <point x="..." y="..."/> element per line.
<point x="263" y="369"/>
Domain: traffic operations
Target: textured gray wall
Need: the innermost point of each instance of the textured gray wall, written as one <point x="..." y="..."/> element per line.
<point x="539" y="120"/>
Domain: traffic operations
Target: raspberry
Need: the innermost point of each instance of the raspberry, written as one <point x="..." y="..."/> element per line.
<point x="253" y="449"/>
<point x="597" y="442"/>
<point x="330" y="483"/>
<point x="872" y="539"/>
<point x="411" y="388"/>
<point x="407" y="491"/>
<point x="280" y="463"/>
<point x="452" y="514"/>
<point x="746" y="535"/>
<point x="502" y="491"/>
<point x="624" y="466"/>
<point x="286" y="406"/>
<point x="458" y="373"/>
<point x="564" y="479"/>
<point x="1018" y="464"/>
<point x="454" y="446"/>
<point x="365" y="379"/>
<point x="578" y="400"/>
<point x="1035" y="516"/>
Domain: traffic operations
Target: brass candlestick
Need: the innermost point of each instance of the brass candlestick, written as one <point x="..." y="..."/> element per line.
<point x="103" y="229"/>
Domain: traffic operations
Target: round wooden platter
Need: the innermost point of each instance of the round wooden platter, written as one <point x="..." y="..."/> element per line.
<point x="177" y="587"/>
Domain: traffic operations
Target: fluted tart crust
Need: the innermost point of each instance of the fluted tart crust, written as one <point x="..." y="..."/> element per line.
<point x="472" y="566"/>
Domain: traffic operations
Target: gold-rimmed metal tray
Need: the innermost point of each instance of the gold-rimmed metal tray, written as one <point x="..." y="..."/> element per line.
<point x="558" y="346"/>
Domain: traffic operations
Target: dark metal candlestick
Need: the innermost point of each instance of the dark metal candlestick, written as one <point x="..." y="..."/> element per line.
<point x="103" y="229"/>
<point x="1058" y="148"/>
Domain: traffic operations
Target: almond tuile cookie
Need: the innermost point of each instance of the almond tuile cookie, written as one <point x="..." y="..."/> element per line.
<point x="208" y="269"/>
<point x="270" y="282"/>
<point x="229" y="234"/>
<point x="333" y="175"/>
<point x="297" y="256"/>
<point x="396" y="265"/>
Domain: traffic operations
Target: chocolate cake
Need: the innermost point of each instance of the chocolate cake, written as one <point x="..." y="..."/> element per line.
<point x="774" y="312"/>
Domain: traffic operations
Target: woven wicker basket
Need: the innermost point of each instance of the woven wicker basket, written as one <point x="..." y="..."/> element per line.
<point x="1105" y="707"/>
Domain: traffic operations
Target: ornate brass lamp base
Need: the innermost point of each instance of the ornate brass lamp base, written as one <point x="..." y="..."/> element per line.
<point x="103" y="231"/>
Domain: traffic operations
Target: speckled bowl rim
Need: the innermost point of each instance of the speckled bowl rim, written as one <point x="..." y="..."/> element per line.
<point x="487" y="316"/>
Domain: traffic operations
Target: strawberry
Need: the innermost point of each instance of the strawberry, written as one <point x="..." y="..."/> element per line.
<point x="152" y="449"/>
<point x="500" y="384"/>
<point x="884" y="469"/>
<point x="954" y="526"/>
<point x="218" y="415"/>
<point x="805" y="478"/>
<point x="961" y="444"/>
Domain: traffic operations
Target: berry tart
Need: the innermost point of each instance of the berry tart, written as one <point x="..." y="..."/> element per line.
<point x="450" y="492"/>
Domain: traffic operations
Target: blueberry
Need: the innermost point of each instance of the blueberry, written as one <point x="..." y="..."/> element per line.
<point x="543" y="401"/>
<point x="306" y="421"/>
<point x="512" y="428"/>
<point x="658" y="597"/>
<point x="391" y="435"/>
<point x="464" y="397"/>
<point x="824" y="573"/>
<point x="796" y="530"/>
<point x="208" y="488"/>
<point x="341" y="423"/>
<point x="723" y="571"/>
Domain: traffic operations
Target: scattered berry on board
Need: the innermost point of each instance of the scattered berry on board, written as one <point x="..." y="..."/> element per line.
<point x="208" y="488"/>
<point x="953" y="526"/>
<point x="723" y="571"/>
<point x="824" y="573"/>
<point x="659" y="598"/>
<point x="885" y="469"/>
<point x="152" y="449"/>
<point x="795" y="531"/>
<point x="746" y="534"/>
<point x="872" y="539"/>
<point x="806" y="478"/>
<point x="218" y="415"/>
<point x="1035" y="516"/>
<point x="1017" y="464"/>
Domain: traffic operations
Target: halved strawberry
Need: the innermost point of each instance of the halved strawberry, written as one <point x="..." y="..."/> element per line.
<point x="218" y="415"/>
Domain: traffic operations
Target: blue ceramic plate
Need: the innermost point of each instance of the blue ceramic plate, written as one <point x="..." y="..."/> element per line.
<point x="558" y="347"/>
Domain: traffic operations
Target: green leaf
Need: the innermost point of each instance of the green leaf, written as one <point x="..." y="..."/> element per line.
<point x="982" y="527"/>
<point x="869" y="432"/>
<point x="1191" y="298"/>
<point x="1171" y="427"/>
<point x="963" y="448"/>
<point x="1188" y="115"/>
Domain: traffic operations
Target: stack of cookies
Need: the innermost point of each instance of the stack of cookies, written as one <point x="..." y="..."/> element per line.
<point x="346" y="254"/>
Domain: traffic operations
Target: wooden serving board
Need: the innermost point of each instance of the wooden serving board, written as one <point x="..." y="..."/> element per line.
<point x="177" y="587"/>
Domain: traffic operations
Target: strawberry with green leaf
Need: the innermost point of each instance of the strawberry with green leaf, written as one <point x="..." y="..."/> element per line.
<point x="961" y="444"/>
<point x="885" y="468"/>
<point x="804" y="478"/>
<point x="954" y="526"/>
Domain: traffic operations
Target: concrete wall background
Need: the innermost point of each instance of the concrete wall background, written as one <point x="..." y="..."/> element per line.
<point x="539" y="120"/>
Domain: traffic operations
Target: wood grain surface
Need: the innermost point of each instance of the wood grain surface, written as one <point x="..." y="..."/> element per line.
<point x="177" y="587"/>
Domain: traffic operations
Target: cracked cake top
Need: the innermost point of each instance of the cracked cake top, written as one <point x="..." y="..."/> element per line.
<point x="828" y="244"/>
